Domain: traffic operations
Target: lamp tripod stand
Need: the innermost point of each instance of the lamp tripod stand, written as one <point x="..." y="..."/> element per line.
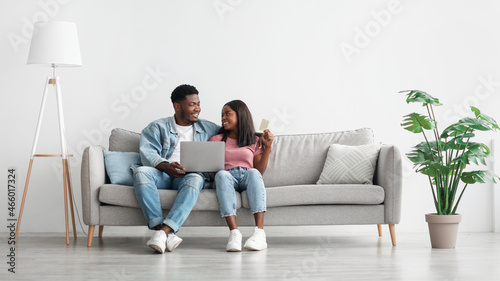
<point x="54" y="80"/>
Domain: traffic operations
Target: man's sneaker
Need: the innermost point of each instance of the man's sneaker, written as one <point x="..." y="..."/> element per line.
<point x="234" y="243"/>
<point x="158" y="241"/>
<point x="257" y="241"/>
<point x="173" y="241"/>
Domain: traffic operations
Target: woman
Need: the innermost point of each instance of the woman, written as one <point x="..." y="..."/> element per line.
<point x="245" y="163"/>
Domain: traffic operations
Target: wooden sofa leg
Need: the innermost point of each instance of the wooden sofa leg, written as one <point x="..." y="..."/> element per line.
<point x="91" y="235"/>
<point x="379" y="226"/>
<point x="101" y="228"/>
<point x="392" y="230"/>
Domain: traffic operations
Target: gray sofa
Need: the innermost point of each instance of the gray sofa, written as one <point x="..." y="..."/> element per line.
<point x="293" y="197"/>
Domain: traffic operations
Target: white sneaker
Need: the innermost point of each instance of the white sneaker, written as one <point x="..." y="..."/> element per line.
<point x="257" y="241"/>
<point x="158" y="241"/>
<point x="234" y="243"/>
<point x="173" y="241"/>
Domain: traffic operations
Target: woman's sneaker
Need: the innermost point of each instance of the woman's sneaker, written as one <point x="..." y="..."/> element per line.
<point x="234" y="243"/>
<point x="173" y="241"/>
<point x="257" y="241"/>
<point x="158" y="241"/>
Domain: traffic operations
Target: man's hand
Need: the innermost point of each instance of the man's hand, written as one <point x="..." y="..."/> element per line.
<point x="174" y="169"/>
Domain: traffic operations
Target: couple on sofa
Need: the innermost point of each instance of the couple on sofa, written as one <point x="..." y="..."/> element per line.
<point x="246" y="158"/>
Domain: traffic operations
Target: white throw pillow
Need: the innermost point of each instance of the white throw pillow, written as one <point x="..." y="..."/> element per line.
<point x="350" y="164"/>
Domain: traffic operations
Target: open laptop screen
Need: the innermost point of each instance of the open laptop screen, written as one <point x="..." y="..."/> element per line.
<point x="198" y="156"/>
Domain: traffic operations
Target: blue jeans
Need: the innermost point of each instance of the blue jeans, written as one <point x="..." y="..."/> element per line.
<point x="147" y="181"/>
<point x="239" y="179"/>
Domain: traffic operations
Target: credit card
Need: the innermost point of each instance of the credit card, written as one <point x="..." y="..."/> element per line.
<point x="263" y="125"/>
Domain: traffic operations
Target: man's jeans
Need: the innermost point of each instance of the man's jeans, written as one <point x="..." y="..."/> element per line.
<point x="239" y="179"/>
<point x="147" y="181"/>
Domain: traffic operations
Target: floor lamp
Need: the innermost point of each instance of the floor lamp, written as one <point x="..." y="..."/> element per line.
<point x="54" y="44"/>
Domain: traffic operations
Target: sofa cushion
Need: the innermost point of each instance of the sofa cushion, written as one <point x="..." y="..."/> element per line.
<point x="118" y="166"/>
<point x="297" y="195"/>
<point x="347" y="164"/>
<point x="299" y="159"/>
<point x="122" y="195"/>
<point x="124" y="140"/>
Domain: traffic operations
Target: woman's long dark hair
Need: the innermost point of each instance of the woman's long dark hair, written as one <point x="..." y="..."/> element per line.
<point x="246" y="130"/>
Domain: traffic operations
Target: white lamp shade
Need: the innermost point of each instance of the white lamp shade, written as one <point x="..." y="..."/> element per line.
<point x="55" y="42"/>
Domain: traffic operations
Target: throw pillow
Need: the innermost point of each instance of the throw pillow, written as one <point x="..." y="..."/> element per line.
<point x="118" y="166"/>
<point x="124" y="140"/>
<point x="350" y="164"/>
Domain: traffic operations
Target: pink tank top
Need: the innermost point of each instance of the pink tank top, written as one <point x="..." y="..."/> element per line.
<point x="236" y="156"/>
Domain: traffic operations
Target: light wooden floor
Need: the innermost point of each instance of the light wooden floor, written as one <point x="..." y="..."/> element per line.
<point x="321" y="253"/>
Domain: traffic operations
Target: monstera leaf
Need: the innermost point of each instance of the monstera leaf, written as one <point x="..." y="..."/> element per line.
<point x="454" y="130"/>
<point x="479" y="176"/>
<point x="425" y="152"/>
<point x="484" y="117"/>
<point x="420" y="96"/>
<point x="416" y="123"/>
<point x="477" y="152"/>
<point x="475" y="124"/>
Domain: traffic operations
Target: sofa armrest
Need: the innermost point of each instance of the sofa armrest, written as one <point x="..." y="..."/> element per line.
<point x="388" y="174"/>
<point x="93" y="176"/>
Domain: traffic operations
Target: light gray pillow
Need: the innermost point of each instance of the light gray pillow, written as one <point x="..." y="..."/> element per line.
<point x="124" y="140"/>
<point x="350" y="164"/>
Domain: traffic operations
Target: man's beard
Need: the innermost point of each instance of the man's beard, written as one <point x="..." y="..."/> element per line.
<point x="186" y="117"/>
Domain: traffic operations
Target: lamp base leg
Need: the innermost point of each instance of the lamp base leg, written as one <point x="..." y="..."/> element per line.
<point x="24" y="199"/>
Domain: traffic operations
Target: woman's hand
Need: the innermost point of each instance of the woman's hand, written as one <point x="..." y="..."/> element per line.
<point x="267" y="139"/>
<point x="260" y="160"/>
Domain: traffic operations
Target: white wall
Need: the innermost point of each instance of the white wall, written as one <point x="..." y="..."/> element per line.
<point x="309" y="66"/>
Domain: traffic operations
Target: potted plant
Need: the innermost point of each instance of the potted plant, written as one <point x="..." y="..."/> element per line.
<point x="443" y="157"/>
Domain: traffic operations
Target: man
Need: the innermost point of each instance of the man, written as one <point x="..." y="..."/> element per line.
<point x="160" y="157"/>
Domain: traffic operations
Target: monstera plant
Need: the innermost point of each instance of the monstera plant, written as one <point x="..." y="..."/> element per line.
<point x="444" y="156"/>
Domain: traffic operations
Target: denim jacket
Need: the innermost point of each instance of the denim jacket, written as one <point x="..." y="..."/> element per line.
<point x="160" y="137"/>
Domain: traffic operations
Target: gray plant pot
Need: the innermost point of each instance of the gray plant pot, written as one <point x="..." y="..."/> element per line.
<point x="443" y="230"/>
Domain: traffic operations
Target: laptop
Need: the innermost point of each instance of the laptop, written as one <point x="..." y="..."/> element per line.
<point x="202" y="156"/>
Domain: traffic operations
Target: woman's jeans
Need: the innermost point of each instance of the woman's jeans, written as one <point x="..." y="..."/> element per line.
<point x="240" y="179"/>
<point x="147" y="181"/>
